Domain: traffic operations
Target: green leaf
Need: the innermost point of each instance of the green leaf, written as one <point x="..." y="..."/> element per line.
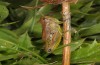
<point x="7" y="41"/>
<point x="44" y="10"/>
<point x="26" y="61"/>
<point x="4" y="3"/>
<point x="0" y="63"/>
<point x="76" y="6"/>
<point x="7" y="47"/>
<point x="95" y="29"/>
<point x="84" y="64"/>
<point x="37" y="30"/>
<point x="3" y="12"/>
<point x="8" y="35"/>
<point x="16" y="3"/>
<point x="79" y="13"/>
<point x="87" y="54"/>
<point x="7" y="57"/>
<point x="25" y="41"/>
<point x="91" y="20"/>
<point x="97" y="37"/>
<point x="87" y="7"/>
<point x="27" y="23"/>
<point x="74" y="45"/>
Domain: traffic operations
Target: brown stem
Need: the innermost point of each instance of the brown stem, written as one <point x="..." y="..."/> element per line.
<point x="67" y="34"/>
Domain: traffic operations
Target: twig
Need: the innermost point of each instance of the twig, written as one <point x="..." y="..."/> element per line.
<point x="33" y="7"/>
<point x="67" y="34"/>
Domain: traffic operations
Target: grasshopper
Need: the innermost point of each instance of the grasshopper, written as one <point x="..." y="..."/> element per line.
<point x="51" y="33"/>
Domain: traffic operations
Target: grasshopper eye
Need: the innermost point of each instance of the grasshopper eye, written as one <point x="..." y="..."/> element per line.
<point x="52" y="33"/>
<point x="49" y="50"/>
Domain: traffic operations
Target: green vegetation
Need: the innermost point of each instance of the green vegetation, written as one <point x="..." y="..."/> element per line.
<point x="20" y="33"/>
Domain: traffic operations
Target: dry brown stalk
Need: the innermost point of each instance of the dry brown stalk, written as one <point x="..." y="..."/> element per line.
<point x="67" y="33"/>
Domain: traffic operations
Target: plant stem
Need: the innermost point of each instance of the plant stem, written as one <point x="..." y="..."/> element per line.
<point x="67" y="34"/>
<point x="34" y="20"/>
<point x="35" y="54"/>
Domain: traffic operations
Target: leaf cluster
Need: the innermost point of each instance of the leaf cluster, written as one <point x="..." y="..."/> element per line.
<point x="20" y="33"/>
